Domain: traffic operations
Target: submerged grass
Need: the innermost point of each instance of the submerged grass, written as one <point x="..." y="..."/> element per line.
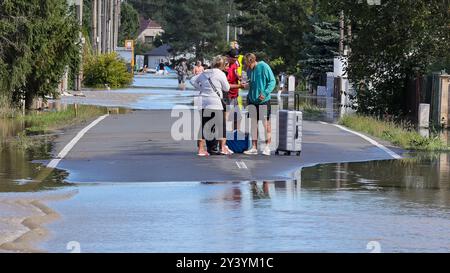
<point x="47" y="121"/>
<point x="6" y="111"/>
<point x="34" y="123"/>
<point x="399" y="134"/>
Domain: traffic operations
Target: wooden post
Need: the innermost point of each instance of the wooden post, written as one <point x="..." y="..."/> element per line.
<point x="444" y="99"/>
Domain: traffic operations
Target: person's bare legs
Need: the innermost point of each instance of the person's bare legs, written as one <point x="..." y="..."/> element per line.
<point x="201" y="147"/>
<point x="223" y="146"/>
<point x="268" y="129"/>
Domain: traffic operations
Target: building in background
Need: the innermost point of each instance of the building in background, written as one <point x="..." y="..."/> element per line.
<point x="149" y="30"/>
<point x="158" y="55"/>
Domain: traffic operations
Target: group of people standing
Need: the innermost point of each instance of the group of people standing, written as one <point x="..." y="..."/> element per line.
<point x="218" y="97"/>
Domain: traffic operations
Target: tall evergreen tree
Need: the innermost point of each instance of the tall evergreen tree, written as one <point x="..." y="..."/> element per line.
<point x="196" y="26"/>
<point x="321" y="46"/>
<point x="154" y="9"/>
<point x="39" y="39"/>
<point x="274" y="29"/>
<point x="129" y="23"/>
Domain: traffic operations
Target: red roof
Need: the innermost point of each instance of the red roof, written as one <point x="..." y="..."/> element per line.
<point x="148" y="23"/>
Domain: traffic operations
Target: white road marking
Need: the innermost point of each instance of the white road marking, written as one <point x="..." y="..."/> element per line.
<point x="73" y="142"/>
<point x="373" y="142"/>
<point x="241" y="165"/>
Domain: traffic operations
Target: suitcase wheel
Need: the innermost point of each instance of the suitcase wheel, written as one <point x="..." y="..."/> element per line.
<point x="299" y="153"/>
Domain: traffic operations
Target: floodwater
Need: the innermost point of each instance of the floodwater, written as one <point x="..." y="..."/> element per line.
<point x="17" y="172"/>
<point x="399" y="206"/>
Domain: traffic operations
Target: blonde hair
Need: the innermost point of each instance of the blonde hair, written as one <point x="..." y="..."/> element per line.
<point x="218" y="62"/>
<point x="249" y="58"/>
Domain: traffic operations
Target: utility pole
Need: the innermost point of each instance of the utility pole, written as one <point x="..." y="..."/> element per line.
<point x="104" y="23"/>
<point x="241" y="29"/>
<point x="341" y="33"/>
<point x="94" y="25"/>
<point x="111" y="26"/>
<point x="228" y="21"/>
<point x="79" y="74"/>
<point x="349" y="36"/>
<point x="99" y="26"/>
<point x="117" y="23"/>
<point x="228" y="28"/>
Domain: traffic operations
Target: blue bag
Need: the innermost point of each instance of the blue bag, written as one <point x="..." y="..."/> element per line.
<point x="238" y="142"/>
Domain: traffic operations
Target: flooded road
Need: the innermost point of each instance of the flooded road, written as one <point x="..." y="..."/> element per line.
<point x="17" y="172"/>
<point x="404" y="206"/>
<point x="400" y="206"/>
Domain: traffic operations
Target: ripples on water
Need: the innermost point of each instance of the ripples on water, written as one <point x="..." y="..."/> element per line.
<point x="404" y="205"/>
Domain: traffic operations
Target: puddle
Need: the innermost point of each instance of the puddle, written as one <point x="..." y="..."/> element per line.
<point x="18" y="173"/>
<point x="402" y="205"/>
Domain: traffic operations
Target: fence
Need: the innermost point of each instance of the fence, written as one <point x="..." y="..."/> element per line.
<point x="431" y="89"/>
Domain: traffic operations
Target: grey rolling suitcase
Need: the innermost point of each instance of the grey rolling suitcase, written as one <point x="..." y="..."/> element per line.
<point x="290" y="130"/>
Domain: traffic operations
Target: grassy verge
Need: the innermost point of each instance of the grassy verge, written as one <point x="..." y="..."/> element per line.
<point x="401" y="135"/>
<point x="25" y="131"/>
<point x="47" y="121"/>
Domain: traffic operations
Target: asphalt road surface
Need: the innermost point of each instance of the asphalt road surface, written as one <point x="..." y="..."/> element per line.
<point x="138" y="147"/>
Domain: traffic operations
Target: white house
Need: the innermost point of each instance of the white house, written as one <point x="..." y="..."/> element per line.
<point x="148" y="31"/>
<point x="157" y="56"/>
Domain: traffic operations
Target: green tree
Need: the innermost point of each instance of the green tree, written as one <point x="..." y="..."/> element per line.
<point x="321" y="46"/>
<point x="195" y="26"/>
<point x="155" y="9"/>
<point x="393" y="42"/>
<point x="142" y="47"/>
<point x="39" y="39"/>
<point x="129" y="23"/>
<point x="274" y="29"/>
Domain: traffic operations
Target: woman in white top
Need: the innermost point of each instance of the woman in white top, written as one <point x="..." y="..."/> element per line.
<point x="211" y="84"/>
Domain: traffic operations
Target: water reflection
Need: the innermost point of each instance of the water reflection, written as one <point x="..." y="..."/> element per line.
<point x="403" y="205"/>
<point x="18" y="150"/>
<point x="19" y="174"/>
<point x="417" y="175"/>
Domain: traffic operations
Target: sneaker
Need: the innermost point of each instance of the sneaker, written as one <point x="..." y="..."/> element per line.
<point x="252" y="151"/>
<point x="267" y="151"/>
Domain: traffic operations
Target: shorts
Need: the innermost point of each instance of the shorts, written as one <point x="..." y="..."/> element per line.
<point x="212" y="133"/>
<point x="233" y="108"/>
<point x="232" y="103"/>
<point x="263" y="111"/>
<point x="181" y="79"/>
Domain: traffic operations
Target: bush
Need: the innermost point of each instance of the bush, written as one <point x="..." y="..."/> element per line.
<point x="106" y="69"/>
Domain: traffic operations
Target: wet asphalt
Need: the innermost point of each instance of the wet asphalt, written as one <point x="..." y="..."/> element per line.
<point x="138" y="147"/>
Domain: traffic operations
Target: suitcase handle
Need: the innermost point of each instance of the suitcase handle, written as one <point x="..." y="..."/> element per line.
<point x="296" y="132"/>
